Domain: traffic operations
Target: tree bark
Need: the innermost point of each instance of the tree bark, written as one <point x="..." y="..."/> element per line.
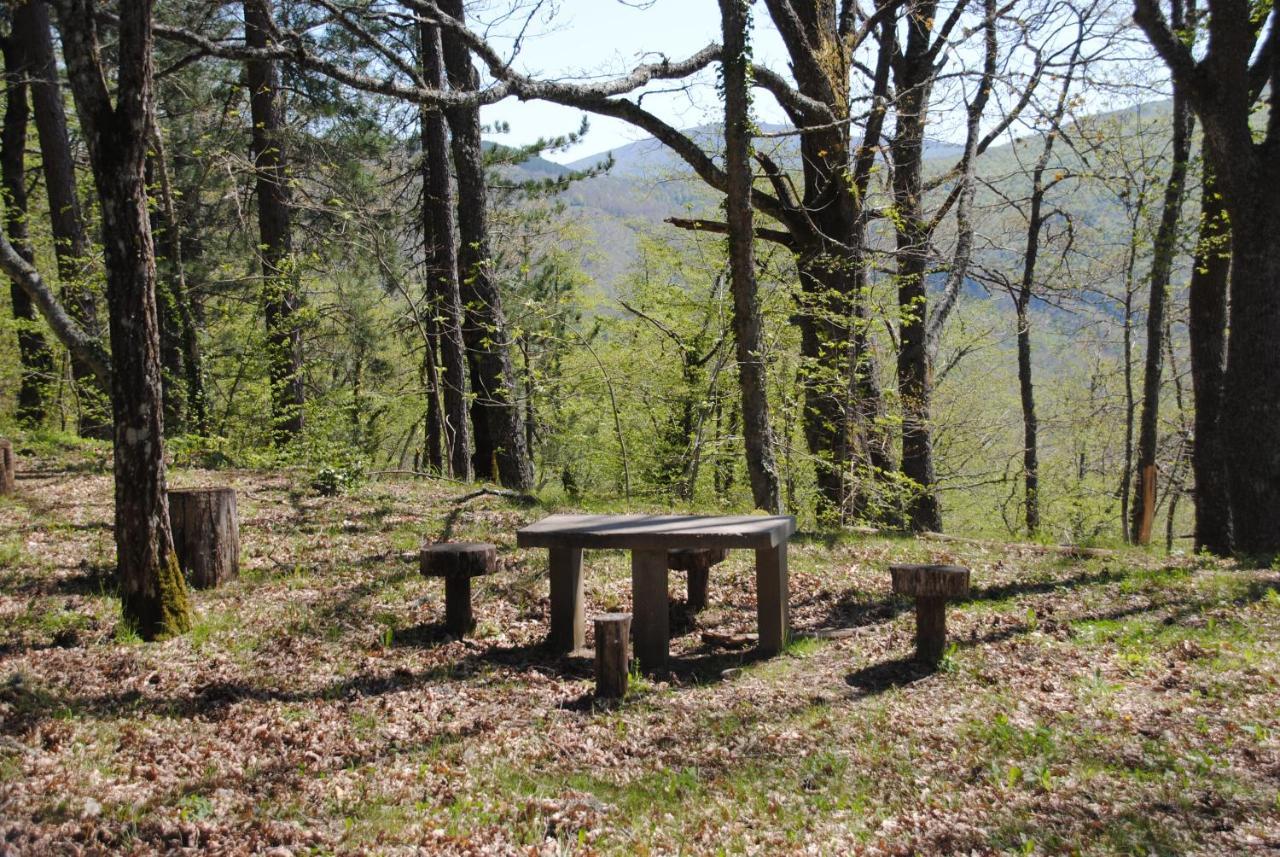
<point x="33" y="351"/>
<point x="441" y="248"/>
<point x="153" y="592"/>
<point x="280" y="297"/>
<point x="1222" y="88"/>
<point x="1036" y="217"/>
<point x="913" y="78"/>
<point x="495" y="415"/>
<point x="1207" y="323"/>
<point x="747" y="322"/>
<point x="1144" y="490"/>
<point x="31" y="28"/>
<point x="206" y="535"/>
<point x="192" y="361"/>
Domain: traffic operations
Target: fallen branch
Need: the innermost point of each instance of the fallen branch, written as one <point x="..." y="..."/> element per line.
<point x="518" y="496"/>
<point x="1075" y="551"/>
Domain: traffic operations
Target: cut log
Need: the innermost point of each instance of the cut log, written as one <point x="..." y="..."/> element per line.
<point x="206" y="534"/>
<point x="458" y="559"/>
<point x="457" y="563"/>
<point x="613" y="665"/>
<point x="1073" y="551"/>
<point x="931" y="586"/>
<point x="6" y="466"/>
<point x="696" y="562"/>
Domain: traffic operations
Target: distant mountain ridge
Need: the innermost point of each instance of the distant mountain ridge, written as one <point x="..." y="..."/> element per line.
<point x="649" y="183"/>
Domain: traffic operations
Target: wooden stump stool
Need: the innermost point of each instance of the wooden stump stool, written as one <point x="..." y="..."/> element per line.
<point x="6" y="466"/>
<point x="457" y="563"/>
<point x="697" y="563"/>
<point x="613" y="630"/>
<point x="931" y="586"/>
<point x="206" y="534"/>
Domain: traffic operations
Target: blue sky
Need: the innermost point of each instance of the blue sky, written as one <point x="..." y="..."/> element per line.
<point x="593" y="38"/>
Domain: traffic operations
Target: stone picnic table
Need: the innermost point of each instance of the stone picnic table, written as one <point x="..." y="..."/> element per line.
<point x="649" y="538"/>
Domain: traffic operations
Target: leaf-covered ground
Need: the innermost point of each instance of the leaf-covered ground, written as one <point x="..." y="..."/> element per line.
<point x="1114" y="705"/>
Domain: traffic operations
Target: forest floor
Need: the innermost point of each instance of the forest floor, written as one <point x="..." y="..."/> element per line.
<point x="1114" y="705"/>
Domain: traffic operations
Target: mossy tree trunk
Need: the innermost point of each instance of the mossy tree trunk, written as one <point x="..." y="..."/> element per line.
<point x="153" y="593"/>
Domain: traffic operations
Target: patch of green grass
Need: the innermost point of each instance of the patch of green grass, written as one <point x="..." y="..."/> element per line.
<point x="802" y="647"/>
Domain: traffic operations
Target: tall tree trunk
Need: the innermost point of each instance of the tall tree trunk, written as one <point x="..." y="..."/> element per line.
<point x="1223" y="84"/>
<point x="747" y="323"/>
<point x="31" y="28"/>
<point x="914" y="77"/>
<point x="33" y="350"/>
<point x="1036" y="217"/>
<point x="433" y="440"/>
<point x="495" y="415"/>
<point x="1251" y="387"/>
<point x="1207" y="323"/>
<point x="438" y="229"/>
<point x="281" y="300"/>
<point x="1166" y="246"/>
<point x="843" y="406"/>
<point x="152" y="589"/>
<point x="173" y="370"/>
<point x="189" y="342"/>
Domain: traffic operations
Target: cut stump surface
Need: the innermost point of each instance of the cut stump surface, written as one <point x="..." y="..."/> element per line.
<point x="931" y="586"/>
<point x="457" y="563"/>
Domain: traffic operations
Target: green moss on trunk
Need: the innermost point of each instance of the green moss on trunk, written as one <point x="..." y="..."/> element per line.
<point x="165" y="614"/>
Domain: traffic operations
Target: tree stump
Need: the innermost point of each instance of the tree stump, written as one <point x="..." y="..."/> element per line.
<point x="457" y="563"/>
<point x="6" y="466"/>
<point x="206" y="534"/>
<point x="696" y="562"/>
<point x="613" y="630"/>
<point x="931" y="586"/>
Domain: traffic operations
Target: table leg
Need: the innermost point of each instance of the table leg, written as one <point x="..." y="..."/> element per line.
<point x="568" y="627"/>
<point x="649" y="628"/>
<point x="772" y="620"/>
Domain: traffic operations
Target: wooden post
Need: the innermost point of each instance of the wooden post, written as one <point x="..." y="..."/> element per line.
<point x="613" y="631"/>
<point x="6" y="466"/>
<point x="457" y="563"/>
<point x="206" y="534"/>
<point x="568" y="624"/>
<point x="457" y="606"/>
<point x="772" y="610"/>
<point x="696" y="562"/>
<point x="649" y="596"/>
<point x="931" y="585"/>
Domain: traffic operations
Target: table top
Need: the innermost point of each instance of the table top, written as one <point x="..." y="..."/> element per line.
<point x="657" y="532"/>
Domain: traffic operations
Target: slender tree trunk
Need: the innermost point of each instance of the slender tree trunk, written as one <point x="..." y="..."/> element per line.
<point x="31" y="28"/>
<point x="438" y="229"/>
<point x="433" y="442"/>
<point x="1207" y="322"/>
<point x="173" y="370"/>
<point x="281" y="300"/>
<point x="495" y="415"/>
<point x="1130" y="407"/>
<point x="189" y="342"/>
<point x="152" y="589"/>
<point x="913" y="76"/>
<point x="747" y="323"/>
<point x="33" y="350"/>
<point x="1144" y="491"/>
